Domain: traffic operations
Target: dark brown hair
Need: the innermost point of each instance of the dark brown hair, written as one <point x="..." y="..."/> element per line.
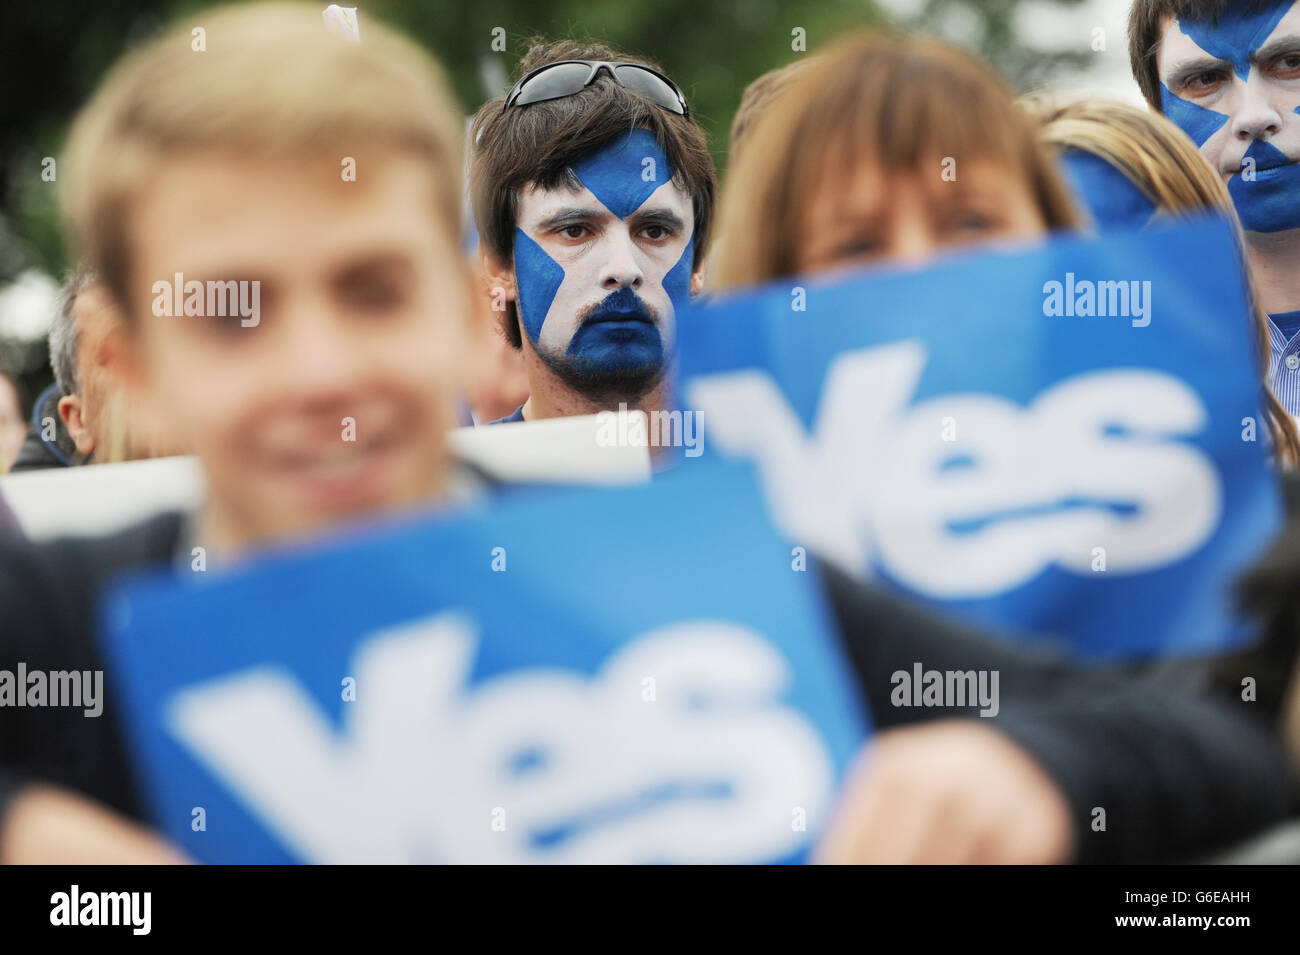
<point x="1146" y="26"/>
<point x="537" y="145"/>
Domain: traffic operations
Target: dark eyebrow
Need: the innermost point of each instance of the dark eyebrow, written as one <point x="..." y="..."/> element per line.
<point x="1284" y="44"/>
<point x="564" y="218"/>
<point x="386" y="260"/>
<point x="660" y="217"/>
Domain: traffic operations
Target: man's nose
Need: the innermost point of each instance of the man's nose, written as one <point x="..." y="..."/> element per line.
<point x="621" y="269"/>
<point x="322" y="360"/>
<point x="1255" y="116"/>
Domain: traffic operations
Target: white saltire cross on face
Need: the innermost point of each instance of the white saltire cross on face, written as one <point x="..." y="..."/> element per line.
<point x="603" y="265"/>
<point x="1234" y="87"/>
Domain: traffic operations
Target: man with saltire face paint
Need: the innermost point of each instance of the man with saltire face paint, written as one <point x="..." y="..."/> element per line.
<point x="593" y="191"/>
<point x="1228" y="74"/>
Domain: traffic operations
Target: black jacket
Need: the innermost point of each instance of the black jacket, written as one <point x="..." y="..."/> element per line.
<point x="1270" y="593"/>
<point x="1177" y="775"/>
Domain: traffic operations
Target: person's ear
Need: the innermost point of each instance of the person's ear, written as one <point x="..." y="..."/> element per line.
<point x="498" y="277"/>
<point x="477" y="281"/>
<point x="70" y="411"/>
<point x="697" y="279"/>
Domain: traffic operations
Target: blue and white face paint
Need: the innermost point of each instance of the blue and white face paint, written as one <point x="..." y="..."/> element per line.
<point x="603" y="266"/>
<point x="1234" y="88"/>
<point x="1114" y="201"/>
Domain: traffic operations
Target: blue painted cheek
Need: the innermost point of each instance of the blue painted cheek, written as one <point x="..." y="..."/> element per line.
<point x="1196" y="121"/>
<point x="677" y="281"/>
<point x="538" y="277"/>
<point x="1114" y="201"/>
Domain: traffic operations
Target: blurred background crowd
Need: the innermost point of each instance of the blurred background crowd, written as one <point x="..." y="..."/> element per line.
<point x="56" y="53"/>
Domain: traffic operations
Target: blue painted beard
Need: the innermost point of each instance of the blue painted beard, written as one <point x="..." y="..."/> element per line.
<point x="617" y="353"/>
<point x="617" y="350"/>
<point x="1271" y="202"/>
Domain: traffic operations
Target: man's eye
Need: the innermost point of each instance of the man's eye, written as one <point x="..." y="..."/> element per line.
<point x="373" y="296"/>
<point x="574" y="232"/>
<point x="1288" y="65"/>
<point x="226" y="327"/>
<point x="1203" y="82"/>
<point x="655" y="232"/>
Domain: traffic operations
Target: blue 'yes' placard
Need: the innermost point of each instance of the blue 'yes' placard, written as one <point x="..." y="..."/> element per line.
<point x="632" y="675"/>
<point x="1064" y="442"/>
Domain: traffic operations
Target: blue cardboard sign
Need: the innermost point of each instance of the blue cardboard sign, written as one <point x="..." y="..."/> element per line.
<point x="631" y="675"/>
<point x="1064" y="441"/>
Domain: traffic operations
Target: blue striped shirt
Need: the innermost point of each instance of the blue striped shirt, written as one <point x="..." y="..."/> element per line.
<point x="1284" y="360"/>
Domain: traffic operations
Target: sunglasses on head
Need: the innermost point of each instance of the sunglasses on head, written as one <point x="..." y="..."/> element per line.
<point x="557" y="80"/>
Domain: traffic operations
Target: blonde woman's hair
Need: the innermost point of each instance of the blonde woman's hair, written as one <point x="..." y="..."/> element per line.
<point x="1158" y="158"/>
<point x="1152" y="152"/>
<point x="113" y="440"/>
<point x="758" y="96"/>
<point x="270" y="79"/>
<point x="894" y="100"/>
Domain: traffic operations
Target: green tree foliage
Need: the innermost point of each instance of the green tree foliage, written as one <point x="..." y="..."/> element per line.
<point x="55" y="53"/>
<point x="59" y="50"/>
<point x="988" y="28"/>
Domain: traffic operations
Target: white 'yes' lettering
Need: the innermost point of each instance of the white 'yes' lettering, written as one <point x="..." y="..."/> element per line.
<point x="586" y="769"/>
<point x="1093" y="461"/>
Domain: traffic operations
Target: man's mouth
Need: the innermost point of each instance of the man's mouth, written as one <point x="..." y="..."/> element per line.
<point x="340" y="472"/>
<point x="619" y="317"/>
<point x="1259" y="168"/>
